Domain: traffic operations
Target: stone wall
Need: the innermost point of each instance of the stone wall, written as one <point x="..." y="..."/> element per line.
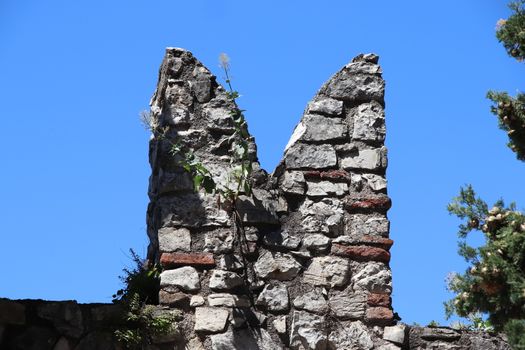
<point x="61" y="325"/>
<point x="310" y="267"/>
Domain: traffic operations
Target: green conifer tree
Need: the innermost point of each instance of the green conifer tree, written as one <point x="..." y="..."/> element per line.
<point x="494" y="283"/>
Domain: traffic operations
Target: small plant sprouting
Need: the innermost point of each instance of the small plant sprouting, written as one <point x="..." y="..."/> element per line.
<point x="141" y="321"/>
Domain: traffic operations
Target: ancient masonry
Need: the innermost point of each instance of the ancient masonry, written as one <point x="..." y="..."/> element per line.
<point x="313" y="271"/>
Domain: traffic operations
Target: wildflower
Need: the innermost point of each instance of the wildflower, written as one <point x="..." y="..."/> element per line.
<point x="224" y="61"/>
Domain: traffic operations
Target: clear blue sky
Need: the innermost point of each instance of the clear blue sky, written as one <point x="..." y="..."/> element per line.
<point x="73" y="155"/>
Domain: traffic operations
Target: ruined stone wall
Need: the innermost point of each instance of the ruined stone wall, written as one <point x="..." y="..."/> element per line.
<point x="310" y="269"/>
<point x="316" y="269"/>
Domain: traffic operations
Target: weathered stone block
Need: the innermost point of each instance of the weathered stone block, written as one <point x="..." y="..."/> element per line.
<point x="395" y="334"/>
<point x="171" y="239"/>
<point x="350" y="335"/>
<point x="379" y="299"/>
<point x="374" y="277"/>
<point x="225" y="280"/>
<point x="303" y="156"/>
<point x="367" y="225"/>
<point x="368" y="159"/>
<point x="308" y="331"/>
<point x="316" y="242"/>
<point x="349" y="86"/>
<point x="219" y="241"/>
<point x="326" y="188"/>
<point x="328" y="271"/>
<point x="348" y="305"/>
<point x="228" y="300"/>
<point x="319" y="128"/>
<point x="274" y="298"/>
<point x="293" y="183"/>
<point x="327" y="106"/>
<point x="369" y="122"/>
<point x="245" y="339"/>
<point x="278" y="266"/>
<point x="312" y="301"/>
<point x="185" y="277"/>
<point x="210" y="319"/>
<point x="281" y="239"/>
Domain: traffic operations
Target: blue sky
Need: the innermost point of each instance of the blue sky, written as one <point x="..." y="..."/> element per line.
<point x="73" y="155"/>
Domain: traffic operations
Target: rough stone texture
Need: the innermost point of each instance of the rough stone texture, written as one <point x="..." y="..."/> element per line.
<point x="274" y="298"/>
<point x="171" y="240"/>
<point x="312" y="301"/>
<point x="350" y="335"/>
<point x="186" y="278"/>
<point x="245" y="339"/>
<point x="303" y="156"/>
<point x="348" y="305"/>
<point x="210" y="319"/>
<point x="396" y="334"/>
<point x="315" y="231"/>
<point x="224" y="280"/>
<point x="308" y="331"/>
<point x="277" y="266"/>
<point x="328" y="271"/>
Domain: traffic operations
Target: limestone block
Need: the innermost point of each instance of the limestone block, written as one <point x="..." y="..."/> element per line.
<point x="351" y="335"/>
<point x="316" y="242"/>
<point x="361" y="224"/>
<point x="293" y="183"/>
<point x="327" y="106"/>
<point x="325" y="216"/>
<point x="363" y="67"/>
<point x="369" y="122"/>
<point x="274" y="298"/>
<point x="319" y="128"/>
<point x="308" y="331"/>
<point x="279" y="324"/>
<point x="375" y="182"/>
<point x="326" y="188"/>
<point x="374" y="277"/>
<point x="225" y="280"/>
<point x="245" y="339"/>
<point x="369" y="159"/>
<point x="348" y="305"/>
<point x="348" y="86"/>
<point x="173" y="239"/>
<point x="312" y="301"/>
<point x="278" y="266"/>
<point x="201" y="86"/>
<point x="197" y="300"/>
<point x="228" y="300"/>
<point x="440" y="333"/>
<point x="185" y="277"/>
<point x="210" y="319"/>
<point x="328" y="271"/>
<point x="303" y="156"/>
<point x="395" y="334"/>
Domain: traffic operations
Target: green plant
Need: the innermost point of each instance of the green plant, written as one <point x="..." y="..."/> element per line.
<point x="141" y="281"/>
<point x="494" y="284"/>
<point x="143" y="324"/>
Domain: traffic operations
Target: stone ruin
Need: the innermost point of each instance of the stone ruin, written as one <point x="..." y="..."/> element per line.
<point x="311" y="270"/>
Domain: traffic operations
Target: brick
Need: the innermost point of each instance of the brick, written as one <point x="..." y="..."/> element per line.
<point x="379" y="315"/>
<point x="379" y="299"/>
<point x="361" y="253"/>
<point x="187" y="259"/>
<point x="381" y="242"/>
<point x="336" y="175"/>
<point x="378" y="203"/>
